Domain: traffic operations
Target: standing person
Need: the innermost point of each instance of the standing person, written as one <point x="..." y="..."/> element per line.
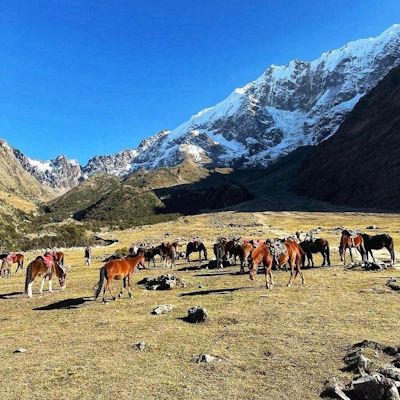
<point x="88" y="255"/>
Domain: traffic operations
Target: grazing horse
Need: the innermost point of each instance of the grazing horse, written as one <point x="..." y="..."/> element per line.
<point x="262" y="255"/>
<point x="121" y="268"/>
<point x="38" y="268"/>
<point x="347" y="242"/>
<point x="193" y="247"/>
<point x="316" y="246"/>
<point x="14" y="258"/>
<point x="378" y="242"/>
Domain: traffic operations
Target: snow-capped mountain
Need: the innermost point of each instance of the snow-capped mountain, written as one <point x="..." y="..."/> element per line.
<point x="298" y="104"/>
<point x="60" y="173"/>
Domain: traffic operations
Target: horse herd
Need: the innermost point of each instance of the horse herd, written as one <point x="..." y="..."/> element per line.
<point x="277" y="253"/>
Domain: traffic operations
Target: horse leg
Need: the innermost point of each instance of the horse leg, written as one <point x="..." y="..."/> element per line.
<point x="351" y="255"/>
<point x="30" y="289"/>
<point x="108" y="286"/>
<point x="372" y="255"/>
<point x="129" y="285"/>
<point x="392" y="256"/>
<point x="42" y="285"/>
<point x="312" y="260"/>
<point x="268" y="274"/>
<point x="291" y="263"/>
<point x="122" y="288"/>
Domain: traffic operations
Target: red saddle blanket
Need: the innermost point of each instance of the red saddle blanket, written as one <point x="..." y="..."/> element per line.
<point x="48" y="260"/>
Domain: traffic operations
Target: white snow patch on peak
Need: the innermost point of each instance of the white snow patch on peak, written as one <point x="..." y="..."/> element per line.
<point x="195" y="151"/>
<point x="41" y="165"/>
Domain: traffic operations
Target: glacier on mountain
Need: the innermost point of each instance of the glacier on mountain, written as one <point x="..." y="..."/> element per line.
<point x="301" y="103"/>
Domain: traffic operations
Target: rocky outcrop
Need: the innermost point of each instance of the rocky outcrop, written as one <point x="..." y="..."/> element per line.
<point x="359" y="165"/>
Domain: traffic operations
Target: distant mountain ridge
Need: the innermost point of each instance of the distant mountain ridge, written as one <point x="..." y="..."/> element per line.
<point x="289" y="106"/>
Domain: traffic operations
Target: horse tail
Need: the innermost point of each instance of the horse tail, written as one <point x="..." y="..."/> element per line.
<point x="98" y="287"/>
<point x="28" y="278"/>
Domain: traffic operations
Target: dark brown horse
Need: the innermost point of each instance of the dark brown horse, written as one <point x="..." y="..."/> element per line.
<point x="262" y="255"/>
<point x="378" y="242"/>
<point x="38" y="268"/>
<point x="316" y="246"/>
<point x="193" y="247"/>
<point x="118" y="269"/>
<point x="220" y="255"/>
<point x="15" y="258"/>
<point x="348" y="242"/>
<point x="232" y="249"/>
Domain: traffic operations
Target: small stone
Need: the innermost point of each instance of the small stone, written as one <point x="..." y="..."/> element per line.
<point x="20" y="350"/>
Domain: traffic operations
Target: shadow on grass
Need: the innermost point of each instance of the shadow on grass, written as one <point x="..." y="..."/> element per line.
<point x="65" y="304"/>
<point x="7" y="296"/>
<point x="215" y="291"/>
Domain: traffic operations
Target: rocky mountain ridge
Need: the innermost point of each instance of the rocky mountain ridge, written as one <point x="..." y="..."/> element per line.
<point x="289" y="106"/>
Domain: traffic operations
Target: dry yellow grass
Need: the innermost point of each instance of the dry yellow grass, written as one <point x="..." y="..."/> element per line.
<point x="276" y="344"/>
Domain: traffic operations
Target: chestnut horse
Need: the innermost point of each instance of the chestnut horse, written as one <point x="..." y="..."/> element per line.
<point x="16" y="258"/>
<point x="316" y="246"/>
<point x="262" y="255"/>
<point x="121" y="268"/>
<point x="59" y="257"/>
<point x="378" y="242"/>
<point x="346" y="242"/>
<point x="38" y="268"/>
<point x="193" y="247"/>
<point x="245" y="252"/>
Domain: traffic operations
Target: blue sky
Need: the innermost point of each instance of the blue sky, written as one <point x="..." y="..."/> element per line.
<point x="85" y="78"/>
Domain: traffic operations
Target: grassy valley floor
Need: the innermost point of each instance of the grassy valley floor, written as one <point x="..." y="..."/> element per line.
<point x="281" y="343"/>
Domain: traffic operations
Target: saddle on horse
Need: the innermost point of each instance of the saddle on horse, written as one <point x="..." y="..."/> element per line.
<point x="277" y="248"/>
<point x="49" y="261"/>
<point x="352" y="234"/>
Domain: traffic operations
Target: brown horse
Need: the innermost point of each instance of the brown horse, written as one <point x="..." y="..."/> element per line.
<point x="16" y="258"/>
<point x="38" y="268"/>
<point x="347" y="242"/>
<point x="59" y="257"/>
<point x="169" y="251"/>
<point x="193" y="247"/>
<point x="316" y="246"/>
<point x="232" y="249"/>
<point x="262" y="255"/>
<point x="245" y="252"/>
<point x="378" y="242"/>
<point x="118" y="269"/>
<point x="5" y="269"/>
